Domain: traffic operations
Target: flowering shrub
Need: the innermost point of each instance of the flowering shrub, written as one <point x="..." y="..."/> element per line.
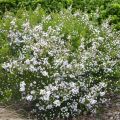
<point x="57" y="77"/>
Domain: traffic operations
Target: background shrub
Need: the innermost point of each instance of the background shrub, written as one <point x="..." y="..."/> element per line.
<point x="103" y="8"/>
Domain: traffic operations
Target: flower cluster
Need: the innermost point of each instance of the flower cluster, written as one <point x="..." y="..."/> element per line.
<point x="62" y="82"/>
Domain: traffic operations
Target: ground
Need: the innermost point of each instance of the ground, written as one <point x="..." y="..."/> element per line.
<point x="9" y="114"/>
<point x="111" y="111"/>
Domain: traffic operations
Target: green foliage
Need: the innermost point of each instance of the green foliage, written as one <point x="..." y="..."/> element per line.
<point x="114" y="9"/>
<point x="106" y="8"/>
<point x="114" y="12"/>
<point x="56" y="5"/>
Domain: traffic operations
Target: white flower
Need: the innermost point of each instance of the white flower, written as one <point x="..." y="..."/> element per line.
<point x="65" y="63"/>
<point x="100" y="39"/>
<point x="82" y="100"/>
<point x="46" y="96"/>
<point x="26" y="26"/>
<point x="69" y="37"/>
<point x="92" y="101"/>
<point x="45" y="73"/>
<point x="38" y="28"/>
<point x="37" y="104"/>
<point x="102" y="84"/>
<point x="32" y="92"/>
<point x="72" y="76"/>
<point x="75" y="90"/>
<point x="7" y="66"/>
<point x="22" y="86"/>
<point x="72" y="84"/>
<point x="29" y="97"/>
<point x="69" y="66"/>
<point x="108" y="69"/>
<point x="27" y="61"/>
<point x="42" y="92"/>
<point x="102" y="93"/>
<point x="43" y="43"/>
<point x="76" y="14"/>
<point x="13" y="22"/>
<point x="57" y="103"/>
<point x="49" y="107"/>
<point x="74" y="106"/>
<point x="32" y="68"/>
<point x="4" y="66"/>
<point x="34" y="82"/>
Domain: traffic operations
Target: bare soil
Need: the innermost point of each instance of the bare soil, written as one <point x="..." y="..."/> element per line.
<point x="9" y="114"/>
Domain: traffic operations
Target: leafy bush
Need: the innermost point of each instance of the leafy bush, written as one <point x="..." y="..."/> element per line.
<point x="57" y="5"/>
<point x="103" y="8"/>
<point x="114" y="12"/>
<point x="62" y="63"/>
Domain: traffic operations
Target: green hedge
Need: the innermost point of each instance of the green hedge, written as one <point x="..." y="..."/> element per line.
<point x="106" y="8"/>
